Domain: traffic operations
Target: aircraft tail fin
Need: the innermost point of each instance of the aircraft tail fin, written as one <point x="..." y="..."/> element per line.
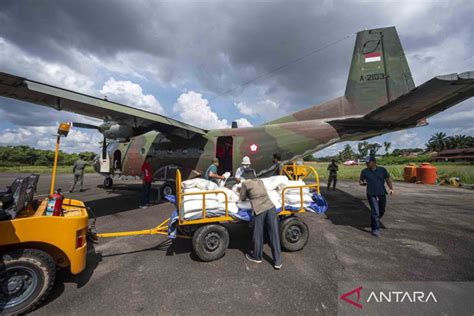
<point x="379" y="73"/>
<point x="379" y="70"/>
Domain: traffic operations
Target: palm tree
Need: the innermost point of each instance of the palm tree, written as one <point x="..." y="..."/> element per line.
<point x="437" y="142"/>
<point x="458" y="142"/>
<point x="387" y="146"/>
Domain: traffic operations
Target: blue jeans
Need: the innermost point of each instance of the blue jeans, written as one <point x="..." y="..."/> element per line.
<point x="377" y="209"/>
<point x="146" y="190"/>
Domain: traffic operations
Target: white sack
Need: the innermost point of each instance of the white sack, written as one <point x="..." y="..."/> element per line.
<point x="195" y="205"/>
<point x="232" y="207"/>
<point x="244" y="204"/>
<point x="197" y="197"/>
<point x="272" y="183"/>
<point x="296" y="198"/>
<point x="231" y="196"/>
<point x="275" y="197"/>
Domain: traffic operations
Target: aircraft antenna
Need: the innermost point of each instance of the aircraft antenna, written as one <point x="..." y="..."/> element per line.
<point x="276" y="69"/>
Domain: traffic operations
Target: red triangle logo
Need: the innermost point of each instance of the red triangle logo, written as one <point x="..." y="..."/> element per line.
<point x="345" y="296"/>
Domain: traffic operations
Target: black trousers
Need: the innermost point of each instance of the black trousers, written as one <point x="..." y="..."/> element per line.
<point x="146" y="191"/>
<point x="269" y="220"/>
<point x="332" y="178"/>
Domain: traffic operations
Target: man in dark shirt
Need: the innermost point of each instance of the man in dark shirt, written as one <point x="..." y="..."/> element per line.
<point x="332" y="177"/>
<point x="278" y="164"/>
<point x="374" y="178"/>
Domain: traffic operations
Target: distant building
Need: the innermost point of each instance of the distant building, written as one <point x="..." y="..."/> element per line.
<point x="451" y="155"/>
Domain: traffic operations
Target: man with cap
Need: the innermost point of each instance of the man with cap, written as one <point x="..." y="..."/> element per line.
<point x="245" y="172"/>
<point x="211" y="172"/>
<point x="374" y="177"/>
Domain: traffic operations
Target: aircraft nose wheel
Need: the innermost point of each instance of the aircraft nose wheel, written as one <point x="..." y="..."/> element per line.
<point x="167" y="188"/>
<point x="108" y="183"/>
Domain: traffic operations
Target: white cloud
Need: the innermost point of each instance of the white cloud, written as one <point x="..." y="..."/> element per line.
<point x="195" y="110"/>
<point x="265" y="109"/>
<point x="131" y="94"/>
<point x="243" y="122"/>
<point x="42" y="137"/>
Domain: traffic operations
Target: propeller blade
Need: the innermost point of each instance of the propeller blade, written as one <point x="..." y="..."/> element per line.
<point x="104" y="149"/>
<point x="84" y="125"/>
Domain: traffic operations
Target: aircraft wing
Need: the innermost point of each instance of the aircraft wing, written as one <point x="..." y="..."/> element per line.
<point x="412" y="108"/>
<point x="15" y="87"/>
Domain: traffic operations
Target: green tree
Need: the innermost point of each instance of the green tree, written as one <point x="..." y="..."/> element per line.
<point x="373" y="148"/>
<point x="437" y="142"/>
<point x="387" y="146"/>
<point x="362" y="148"/>
<point x="347" y="153"/>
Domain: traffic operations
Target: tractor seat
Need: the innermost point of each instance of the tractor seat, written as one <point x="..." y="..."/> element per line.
<point x="13" y="201"/>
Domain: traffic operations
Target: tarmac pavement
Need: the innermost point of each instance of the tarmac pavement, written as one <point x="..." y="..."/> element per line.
<point x="428" y="236"/>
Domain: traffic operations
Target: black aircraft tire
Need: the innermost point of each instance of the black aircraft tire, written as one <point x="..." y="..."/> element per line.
<point x="294" y="234"/>
<point x="210" y="242"/>
<point x="108" y="183"/>
<point x="167" y="188"/>
<point x="26" y="279"/>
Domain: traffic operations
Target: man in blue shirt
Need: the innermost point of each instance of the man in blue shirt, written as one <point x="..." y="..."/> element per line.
<point x="211" y="172"/>
<point x="374" y="178"/>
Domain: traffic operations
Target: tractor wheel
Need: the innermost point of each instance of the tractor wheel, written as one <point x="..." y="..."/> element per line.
<point x="294" y="234"/>
<point x="210" y="242"/>
<point x="26" y="278"/>
<point x="108" y="183"/>
<point x="167" y="188"/>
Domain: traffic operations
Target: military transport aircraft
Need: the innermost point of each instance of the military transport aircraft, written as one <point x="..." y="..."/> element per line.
<point x="380" y="97"/>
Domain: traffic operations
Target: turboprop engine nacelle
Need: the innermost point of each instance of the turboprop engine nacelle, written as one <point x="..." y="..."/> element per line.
<point x="118" y="132"/>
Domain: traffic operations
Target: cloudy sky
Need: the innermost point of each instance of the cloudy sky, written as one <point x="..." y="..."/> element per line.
<point x="208" y="63"/>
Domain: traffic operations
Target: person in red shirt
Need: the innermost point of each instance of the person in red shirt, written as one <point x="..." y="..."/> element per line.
<point x="147" y="177"/>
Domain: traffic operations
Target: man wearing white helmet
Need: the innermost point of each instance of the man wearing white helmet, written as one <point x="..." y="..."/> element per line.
<point x="245" y="172"/>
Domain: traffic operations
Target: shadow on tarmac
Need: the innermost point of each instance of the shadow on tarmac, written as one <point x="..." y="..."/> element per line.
<point x="125" y="197"/>
<point x="347" y="210"/>
<point x="63" y="276"/>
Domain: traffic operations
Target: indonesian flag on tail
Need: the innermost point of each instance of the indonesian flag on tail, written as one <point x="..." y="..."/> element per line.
<point x="371" y="57"/>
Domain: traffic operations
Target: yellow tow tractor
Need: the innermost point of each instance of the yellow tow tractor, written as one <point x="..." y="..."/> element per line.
<point x="33" y="243"/>
<point x="209" y="234"/>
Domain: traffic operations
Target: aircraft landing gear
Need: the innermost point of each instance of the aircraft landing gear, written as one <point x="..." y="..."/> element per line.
<point x="108" y="182"/>
<point x="167" y="188"/>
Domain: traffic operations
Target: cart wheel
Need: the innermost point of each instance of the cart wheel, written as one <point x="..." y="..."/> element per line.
<point x="167" y="188"/>
<point x="26" y="279"/>
<point x="294" y="234"/>
<point x="210" y="242"/>
<point x="108" y="183"/>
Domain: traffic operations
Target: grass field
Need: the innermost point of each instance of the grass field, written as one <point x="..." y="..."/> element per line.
<point x="42" y="169"/>
<point x="464" y="172"/>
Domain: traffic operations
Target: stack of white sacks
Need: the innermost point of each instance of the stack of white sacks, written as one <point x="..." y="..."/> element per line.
<point x="215" y="203"/>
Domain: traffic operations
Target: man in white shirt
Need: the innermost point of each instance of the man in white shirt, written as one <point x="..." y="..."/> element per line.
<point x="245" y="172"/>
